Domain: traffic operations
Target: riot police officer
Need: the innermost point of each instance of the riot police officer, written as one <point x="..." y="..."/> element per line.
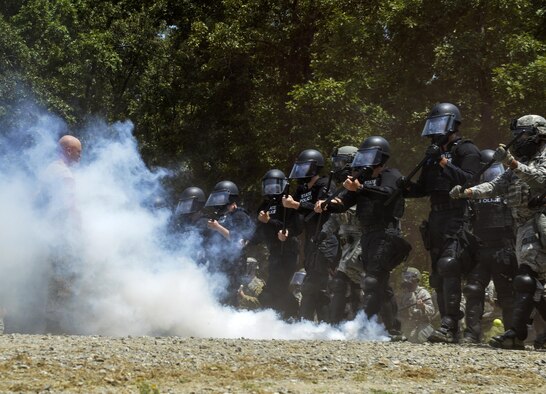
<point x="451" y="160"/>
<point x="495" y="260"/>
<point x="278" y="227"/>
<point x="524" y="187"/>
<point x="232" y="229"/>
<point x="189" y="219"/>
<point x="188" y="211"/>
<point x="319" y="254"/>
<point x="370" y="188"/>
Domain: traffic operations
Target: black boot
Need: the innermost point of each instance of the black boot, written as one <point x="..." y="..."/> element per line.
<point x="508" y="340"/>
<point x="447" y="333"/>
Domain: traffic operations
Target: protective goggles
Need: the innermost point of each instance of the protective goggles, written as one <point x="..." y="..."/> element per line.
<point x="303" y="169"/>
<point x="367" y="157"/>
<point x="218" y="199"/>
<point x="492" y="172"/>
<point x="438" y="125"/>
<point x="273" y="186"/>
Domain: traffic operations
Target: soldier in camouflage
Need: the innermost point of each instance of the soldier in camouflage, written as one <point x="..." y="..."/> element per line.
<point x="347" y="277"/>
<point x="251" y="288"/>
<point x="524" y="186"/>
<point x="416" y="307"/>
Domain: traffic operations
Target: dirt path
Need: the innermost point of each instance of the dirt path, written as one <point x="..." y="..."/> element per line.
<point x="34" y="363"/>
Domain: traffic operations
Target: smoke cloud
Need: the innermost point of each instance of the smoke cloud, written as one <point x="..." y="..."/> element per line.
<point x="131" y="275"/>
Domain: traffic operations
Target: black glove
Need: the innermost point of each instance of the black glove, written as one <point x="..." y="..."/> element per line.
<point x="434" y="152"/>
<point x="402" y="183"/>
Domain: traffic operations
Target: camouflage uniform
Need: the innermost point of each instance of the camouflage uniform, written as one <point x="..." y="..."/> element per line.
<point x="252" y="291"/>
<point x="347" y="226"/>
<point x="349" y="271"/>
<point x="520" y="185"/>
<point x="415" y="321"/>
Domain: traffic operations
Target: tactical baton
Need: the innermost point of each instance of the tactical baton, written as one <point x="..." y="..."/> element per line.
<point x="399" y="191"/>
<point x="284" y="194"/>
<point x="477" y="175"/>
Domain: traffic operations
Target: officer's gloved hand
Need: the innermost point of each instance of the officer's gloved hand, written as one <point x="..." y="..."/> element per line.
<point x="457" y="192"/>
<point x="503" y="155"/>
<point x="402" y="183"/>
<point x="434" y="152"/>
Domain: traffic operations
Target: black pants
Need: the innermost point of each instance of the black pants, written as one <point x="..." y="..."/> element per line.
<point x="380" y="256"/>
<point x="492" y="263"/>
<point x="276" y="294"/>
<point x="446" y="229"/>
<point x="314" y="290"/>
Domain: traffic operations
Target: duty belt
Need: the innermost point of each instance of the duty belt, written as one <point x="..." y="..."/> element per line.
<point x="379" y="226"/>
<point x="447" y="206"/>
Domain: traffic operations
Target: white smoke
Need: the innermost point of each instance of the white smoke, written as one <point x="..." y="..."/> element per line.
<point x="133" y="277"/>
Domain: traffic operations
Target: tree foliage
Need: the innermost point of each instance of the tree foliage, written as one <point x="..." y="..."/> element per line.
<point x="229" y="89"/>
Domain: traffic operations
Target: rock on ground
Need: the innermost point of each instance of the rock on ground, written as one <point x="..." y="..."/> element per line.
<point x="95" y="364"/>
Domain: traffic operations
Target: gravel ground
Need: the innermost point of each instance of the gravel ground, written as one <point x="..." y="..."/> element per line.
<point x="95" y="364"/>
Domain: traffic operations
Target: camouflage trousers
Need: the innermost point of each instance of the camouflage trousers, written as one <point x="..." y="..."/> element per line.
<point x="350" y="263"/>
<point x="531" y="245"/>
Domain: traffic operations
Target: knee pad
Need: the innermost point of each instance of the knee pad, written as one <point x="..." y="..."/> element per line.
<point x="448" y="266"/>
<point x="473" y="290"/>
<point x="525" y="284"/>
<point x="369" y="284"/>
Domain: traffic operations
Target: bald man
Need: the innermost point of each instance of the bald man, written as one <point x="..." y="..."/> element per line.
<point x="61" y="211"/>
<point x="71" y="149"/>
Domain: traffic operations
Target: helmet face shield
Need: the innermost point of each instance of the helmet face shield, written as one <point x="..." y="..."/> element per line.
<point x="492" y="172"/>
<point x="297" y="278"/>
<point x="190" y="205"/>
<point x="438" y="125"/>
<point x="367" y="157"/>
<point x="273" y="186"/>
<point x="303" y="169"/>
<point x="218" y="199"/>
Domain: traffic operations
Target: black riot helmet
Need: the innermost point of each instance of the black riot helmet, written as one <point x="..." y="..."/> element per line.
<point x="442" y="120"/>
<point x="191" y="200"/>
<point x="341" y="161"/>
<point x="273" y="183"/>
<point x="496" y="168"/>
<point x="308" y="164"/>
<point x="373" y="152"/>
<point x="225" y="192"/>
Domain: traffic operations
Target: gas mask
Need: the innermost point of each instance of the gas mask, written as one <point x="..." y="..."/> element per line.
<point x="525" y="148"/>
